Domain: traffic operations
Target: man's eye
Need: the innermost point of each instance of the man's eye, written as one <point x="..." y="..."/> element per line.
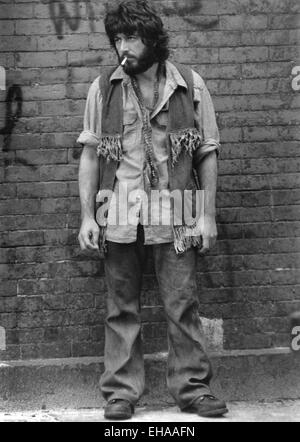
<point x="132" y="37"/>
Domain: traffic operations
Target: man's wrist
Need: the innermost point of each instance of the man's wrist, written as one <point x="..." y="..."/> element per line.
<point x="87" y="217"/>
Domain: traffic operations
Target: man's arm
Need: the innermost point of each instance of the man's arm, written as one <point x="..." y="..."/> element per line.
<point x="88" y="187"/>
<point x="207" y="172"/>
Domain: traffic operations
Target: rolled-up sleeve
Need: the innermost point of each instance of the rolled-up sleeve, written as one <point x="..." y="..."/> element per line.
<point x="205" y="120"/>
<point x="90" y="135"/>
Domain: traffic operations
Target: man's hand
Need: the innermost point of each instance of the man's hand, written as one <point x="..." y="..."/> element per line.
<point x="89" y="234"/>
<point x="209" y="234"/>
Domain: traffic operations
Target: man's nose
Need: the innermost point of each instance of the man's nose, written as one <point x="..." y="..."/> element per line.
<point x="124" y="46"/>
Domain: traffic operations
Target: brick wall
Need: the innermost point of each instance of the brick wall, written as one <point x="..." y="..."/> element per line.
<point x="52" y="296"/>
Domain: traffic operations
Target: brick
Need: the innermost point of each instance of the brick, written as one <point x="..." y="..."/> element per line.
<point x="7" y="191"/>
<point x="231" y="135"/>
<point x="260" y="133"/>
<point x="50" y="221"/>
<point x="39" y="190"/>
<point x="36" y="351"/>
<point x="34" y="27"/>
<point x="269" y="37"/>
<point x="14" y="207"/>
<point x="63" y="107"/>
<point x="260" y="150"/>
<point x="56" y="75"/>
<point x="253" y="341"/>
<point x="31" y="337"/>
<point x="8" y="288"/>
<point x="231" y="167"/>
<point x="268" y="6"/>
<point x="61" y="236"/>
<point x="25" y="141"/>
<point x="7" y="60"/>
<point x="43" y="287"/>
<point x="210" y="71"/>
<point x="97" y="41"/>
<point x="78" y="91"/>
<point x="243" y="22"/>
<point x="17" y="11"/>
<point x="7" y="27"/>
<point x="41" y="59"/>
<point x="8" y="320"/>
<point x="258" y="70"/>
<point x="284" y="53"/>
<point x="284" y="21"/>
<point x="60" y="205"/>
<point x="17" y="43"/>
<point x="262" y="230"/>
<point x="83" y="74"/>
<point x="59" y="173"/>
<point x="245" y="86"/>
<point x="94" y="58"/>
<point x="84" y="349"/>
<point x="61" y="124"/>
<point x="11" y="353"/>
<point x="49" y="156"/>
<point x="7" y="256"/>
<point x="205" y="39"/>
<point x="49" y="92"/>
<point x="40" y="254"/>
<point x="69" y="42"/>
<point x="58" y="140"/>
<point x="191" y="23"/>
<point x="284" y="213"/>
<point x="204" y="54"/>
<point x="21" y="238"/>
<point x="243" y="54"/>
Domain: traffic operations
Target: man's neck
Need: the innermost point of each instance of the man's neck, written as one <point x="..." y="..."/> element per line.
<point x="148" y="76"/>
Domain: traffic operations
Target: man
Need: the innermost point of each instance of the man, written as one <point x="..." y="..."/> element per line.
<point x="149" y="126"/>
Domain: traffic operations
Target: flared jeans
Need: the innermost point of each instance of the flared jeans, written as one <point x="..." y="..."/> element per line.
<point x="188" y="367"/>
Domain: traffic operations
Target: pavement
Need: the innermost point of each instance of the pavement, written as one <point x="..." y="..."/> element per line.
<point x="279" y="411"/>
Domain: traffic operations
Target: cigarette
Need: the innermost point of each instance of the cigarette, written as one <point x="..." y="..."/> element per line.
<point x="124" y="61"/>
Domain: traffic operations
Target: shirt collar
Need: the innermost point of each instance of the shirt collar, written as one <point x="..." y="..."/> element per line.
<point x="172" y="73"/>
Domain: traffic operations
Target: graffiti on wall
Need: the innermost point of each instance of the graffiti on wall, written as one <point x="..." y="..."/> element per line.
<point x="13" y="105"/>
<point x="13" y="113"/>
<point x="189" y="13"/>
<point x="60" y="16"/>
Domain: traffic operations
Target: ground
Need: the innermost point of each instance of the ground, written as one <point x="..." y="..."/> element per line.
<point x="280" y="411"/>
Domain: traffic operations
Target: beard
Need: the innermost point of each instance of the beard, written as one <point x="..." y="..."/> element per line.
<point x="141" y="64"/>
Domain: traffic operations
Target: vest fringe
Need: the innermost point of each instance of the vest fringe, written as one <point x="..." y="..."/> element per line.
<point x="188" y="139"/>
<point x="110" y="147"/>
<point x="186" y="237"/>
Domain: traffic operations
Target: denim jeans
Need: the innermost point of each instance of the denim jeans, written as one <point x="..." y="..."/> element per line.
<point x="188" y="369"/>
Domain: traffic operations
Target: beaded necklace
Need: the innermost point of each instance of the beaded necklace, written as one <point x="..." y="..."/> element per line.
<point x="150" y="168"/>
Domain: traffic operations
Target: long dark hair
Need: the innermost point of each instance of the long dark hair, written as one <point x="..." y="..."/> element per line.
<point x="138" y="17"/>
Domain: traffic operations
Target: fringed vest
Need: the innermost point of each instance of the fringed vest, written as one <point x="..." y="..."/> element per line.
<point x="182" y="140"/>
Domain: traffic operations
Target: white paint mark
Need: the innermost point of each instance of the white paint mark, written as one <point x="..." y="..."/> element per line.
<point x="214" y="333"/>
<point x="2" y="339"/>
<point x="2" y="79"/>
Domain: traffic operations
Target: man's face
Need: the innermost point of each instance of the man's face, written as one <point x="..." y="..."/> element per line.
<point x="139" y="57"/>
